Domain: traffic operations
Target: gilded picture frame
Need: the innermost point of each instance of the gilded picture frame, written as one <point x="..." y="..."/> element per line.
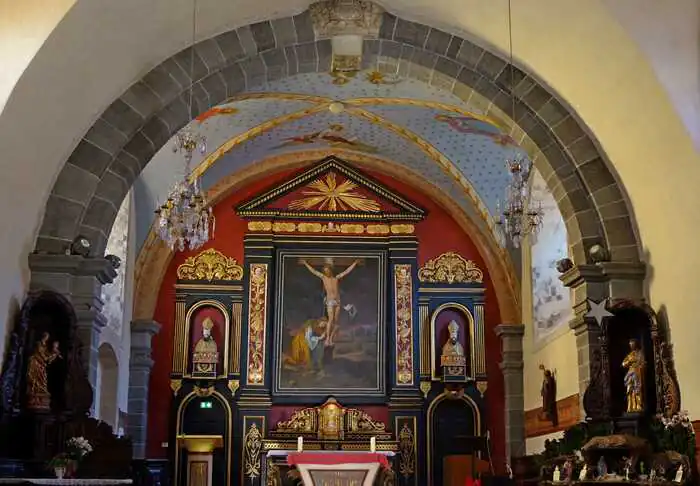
<point x="330" y="341"/>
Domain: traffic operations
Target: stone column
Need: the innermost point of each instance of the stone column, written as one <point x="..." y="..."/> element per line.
<point x="140" y="364"/>
<point x="80" y="279"/>
<point x="512" y="367"/>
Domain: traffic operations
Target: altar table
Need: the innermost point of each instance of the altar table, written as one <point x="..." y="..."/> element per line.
<point x="339" y="468"/>
<point x="67" y="481"/>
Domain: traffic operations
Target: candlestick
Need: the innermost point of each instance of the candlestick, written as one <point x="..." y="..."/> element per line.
<point x="300" y="444"/>
<point x="373" y="444"/>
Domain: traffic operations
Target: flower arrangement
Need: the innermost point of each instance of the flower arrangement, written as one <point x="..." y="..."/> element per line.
<point x="78" y="447"/>
<point x="65" y="463"/>
<point x="675" y="433"/>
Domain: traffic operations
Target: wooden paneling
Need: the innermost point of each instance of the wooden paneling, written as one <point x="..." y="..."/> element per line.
<point x="569" y="414"/>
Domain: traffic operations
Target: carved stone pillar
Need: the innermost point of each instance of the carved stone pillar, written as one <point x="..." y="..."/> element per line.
<point x="512" y="367"/>
<point x="80" y="279"/>
<point x="140" y="364"/>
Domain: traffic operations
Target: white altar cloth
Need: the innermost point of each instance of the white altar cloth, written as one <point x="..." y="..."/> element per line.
<point x="281" y="453"/>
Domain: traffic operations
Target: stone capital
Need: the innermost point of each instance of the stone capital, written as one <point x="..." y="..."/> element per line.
<point x="91" y="318"/>
<point x="512" y="367"/>
<point x="75" y="265"/>
<point x="579" y="274"/>
<point x="142" y="331"/>
<point x="513" y="331"/>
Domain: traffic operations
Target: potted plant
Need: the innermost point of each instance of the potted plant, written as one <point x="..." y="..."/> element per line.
<point x="59" y="464"/>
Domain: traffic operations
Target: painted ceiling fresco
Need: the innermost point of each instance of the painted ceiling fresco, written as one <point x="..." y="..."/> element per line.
<point x="406" y="121"/>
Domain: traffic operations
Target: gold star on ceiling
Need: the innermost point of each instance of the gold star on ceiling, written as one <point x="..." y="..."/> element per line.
<point x="326" y="194"/>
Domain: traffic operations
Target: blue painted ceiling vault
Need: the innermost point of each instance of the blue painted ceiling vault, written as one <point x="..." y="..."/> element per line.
<point x="431" y="131"/>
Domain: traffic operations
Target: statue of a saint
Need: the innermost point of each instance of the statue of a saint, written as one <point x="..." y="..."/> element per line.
<point x="206" y="352"/>
<point x="453" y="347"/>
<point x="549" y="396"/>
<point x="38" y="396"/>
<point x="634" y="378"/>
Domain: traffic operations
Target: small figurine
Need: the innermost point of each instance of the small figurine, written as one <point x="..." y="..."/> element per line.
<point x="556" y="477"/>
<point x="583" y="473"/>
<point x="568" y="469"/>
<point x="679" y="475"/>
<point x="634" y="378"/>
<point x="206" y="352"/>
<point x="509" y="471"/>
<point x="652" y="475"/>
<point x="602" y="468"/>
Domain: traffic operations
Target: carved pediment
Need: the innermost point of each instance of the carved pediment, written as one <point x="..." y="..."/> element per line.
<point x="331" y="191"/>
<point x="450" y="268"/>
<point x="210" y="265"/>
<point x="331" y="421"/>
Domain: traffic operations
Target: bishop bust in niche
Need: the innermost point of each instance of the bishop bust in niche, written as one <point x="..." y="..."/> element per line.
<point x="206" y="353"/>
<point x="452" y="359"/>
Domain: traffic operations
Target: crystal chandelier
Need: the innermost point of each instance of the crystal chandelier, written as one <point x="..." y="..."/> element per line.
<point x="185" y="219"/>
<point x="517" y="218"/>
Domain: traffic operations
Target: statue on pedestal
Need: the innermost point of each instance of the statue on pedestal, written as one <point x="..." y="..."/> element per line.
<point x="634" y="378"/>
<point x="38" y="396"/>
<point x="206" y="353"/>
<point x="452" y="359"/>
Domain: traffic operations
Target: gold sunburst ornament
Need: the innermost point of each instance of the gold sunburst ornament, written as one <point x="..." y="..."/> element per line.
<point x="326" y="194"/>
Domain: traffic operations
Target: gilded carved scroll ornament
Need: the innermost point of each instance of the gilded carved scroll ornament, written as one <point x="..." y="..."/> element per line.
<point x="252" y="446"/>
<point x="450" y="268"/>
<point x="403" y="289"/>
<point x="407" y="449"/>
<point x="210" y="265"/>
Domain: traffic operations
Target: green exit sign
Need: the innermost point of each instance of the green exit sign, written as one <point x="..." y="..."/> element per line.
<point x="204" y="404"/>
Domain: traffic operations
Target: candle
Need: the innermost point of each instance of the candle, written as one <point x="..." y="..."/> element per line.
<point x="300" y="444"/>
<point x="373" y="444"/>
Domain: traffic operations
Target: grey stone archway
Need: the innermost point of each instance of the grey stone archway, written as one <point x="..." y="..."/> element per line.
<point x="95" y="179"/>
<point x="101" y="169"/>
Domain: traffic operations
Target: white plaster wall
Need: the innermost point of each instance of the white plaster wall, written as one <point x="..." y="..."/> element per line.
<point x="117" y="301"/>
<point x="102" y="46"/>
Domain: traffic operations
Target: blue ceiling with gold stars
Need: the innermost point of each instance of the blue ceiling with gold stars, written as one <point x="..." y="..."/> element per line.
<point x="429" y="130"/>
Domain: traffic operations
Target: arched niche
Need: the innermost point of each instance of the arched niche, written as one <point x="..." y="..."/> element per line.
<point x="108" y="379"/>
<point x="439" y="333"/>
<point x="451" y="420"/>
<point x="196" y="315"/>
<point x="205" y="412"/>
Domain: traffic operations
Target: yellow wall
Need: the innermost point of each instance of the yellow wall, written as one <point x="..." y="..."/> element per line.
<point x="559" y="353"/>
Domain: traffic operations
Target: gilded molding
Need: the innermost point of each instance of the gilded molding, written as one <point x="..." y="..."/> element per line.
<point x="179" y="341"/>
<point x="403" y="292"/>
<point x="210" y="265"/>
<point x="233" y="385"/>
<point x="330" y="228"/>
<point x="175" y="386"/>
<point x="407" y="450"/>
<point x="257" y="311"/>
<point x="252" y="446"/>
<point x="424" y="338"/>
<point x="450" y="268"/>
<point x="237" y="315"/>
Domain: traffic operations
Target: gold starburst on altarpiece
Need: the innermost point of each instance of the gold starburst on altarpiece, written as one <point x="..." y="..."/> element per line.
<point x="326" y="194"/>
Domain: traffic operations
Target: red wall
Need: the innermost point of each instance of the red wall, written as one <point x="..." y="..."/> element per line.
<point x="437" y="234"/>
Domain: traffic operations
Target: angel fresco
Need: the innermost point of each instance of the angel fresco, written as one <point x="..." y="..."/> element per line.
<point x="330" y="136"/>
<point x="473" y="125"/>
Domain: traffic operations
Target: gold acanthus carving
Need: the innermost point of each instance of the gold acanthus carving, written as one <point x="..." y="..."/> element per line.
<point x="175" y="386"/>
<point x="257" y="305"/>
<point x="407" y="449"/>
<point x="403" y="290"/>
<point x="318" y="420"/>
<point x="343" y="228"/>
<point x="210" y="265"/>
<point x="450" y="268"/>
<point x="252" y="446"/>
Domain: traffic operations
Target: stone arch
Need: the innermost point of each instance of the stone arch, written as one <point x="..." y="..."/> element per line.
<point x="108" y="380"/>
<point x="105" y="163"/>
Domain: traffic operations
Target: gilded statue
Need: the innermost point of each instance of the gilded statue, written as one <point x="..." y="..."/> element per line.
<point x="38" y="396"/>
<point x="634" y="378"/>
<point x="452" y="346"/>
<point x="206" y="352"/>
